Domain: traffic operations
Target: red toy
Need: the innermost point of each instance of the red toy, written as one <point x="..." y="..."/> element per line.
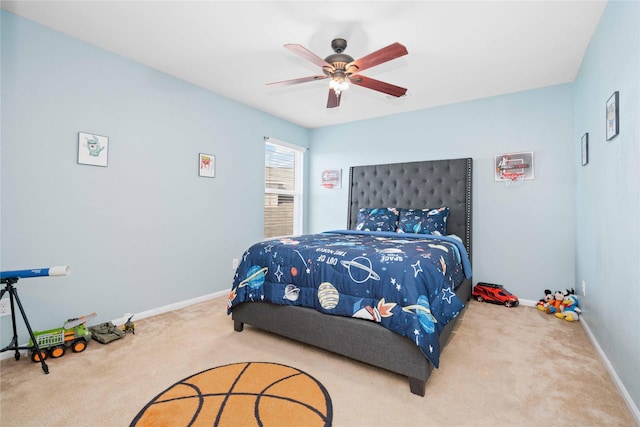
<point x="496" y="294"/>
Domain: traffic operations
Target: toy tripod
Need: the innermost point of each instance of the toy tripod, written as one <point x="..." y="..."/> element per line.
<point x="13" y="297"/>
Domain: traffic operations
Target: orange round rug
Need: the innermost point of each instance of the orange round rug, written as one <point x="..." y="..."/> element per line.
<point x="241" y="394"/>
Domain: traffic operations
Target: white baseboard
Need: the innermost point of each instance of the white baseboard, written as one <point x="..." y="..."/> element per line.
<point x="612" y="372"/>
<point x="139" y="316"/>
<point x="528" y="302"/>
<point x="170" y="307"/>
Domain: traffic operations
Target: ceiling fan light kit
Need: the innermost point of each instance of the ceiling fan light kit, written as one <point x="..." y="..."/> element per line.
<point x="342" y="69"/>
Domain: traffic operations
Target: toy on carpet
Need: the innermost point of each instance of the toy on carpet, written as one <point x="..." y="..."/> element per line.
<point x="543" y="303"/>
<point x="497" y="294"/>
<point x="53" y="342"/>
<point x="563" y="305"/>
<point x="106" y="332"/>
<point x="129" y="326"/>
<point x="570" y="309"/>
<point x="554" y="305"/>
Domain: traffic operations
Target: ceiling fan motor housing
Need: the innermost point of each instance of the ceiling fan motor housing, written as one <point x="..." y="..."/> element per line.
<point x="341" y="62"/>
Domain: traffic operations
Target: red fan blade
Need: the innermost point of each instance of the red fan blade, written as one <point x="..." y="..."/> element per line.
<point x="296" y="81"/>
<point x="333" y="100"/>
<point x="308" y="55"/>
<point x="385" y="54"/>
<point x="374" y="84"/>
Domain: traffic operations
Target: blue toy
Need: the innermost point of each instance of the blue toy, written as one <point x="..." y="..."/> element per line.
<point x="570" y="308"/>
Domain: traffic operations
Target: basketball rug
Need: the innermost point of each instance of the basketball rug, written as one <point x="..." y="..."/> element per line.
<point x="241" y="394"/>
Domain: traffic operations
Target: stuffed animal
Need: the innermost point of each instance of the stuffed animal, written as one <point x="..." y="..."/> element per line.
<point x="555" y="304"/>
<point x="544" y="302"/>
<point x="570" y="309"/>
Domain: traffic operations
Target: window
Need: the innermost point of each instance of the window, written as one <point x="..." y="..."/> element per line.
<point x="282" y="188"/>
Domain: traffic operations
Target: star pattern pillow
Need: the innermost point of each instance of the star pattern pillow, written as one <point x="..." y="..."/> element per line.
<point x="378" y="219"/>
<point x="423" y="221"/>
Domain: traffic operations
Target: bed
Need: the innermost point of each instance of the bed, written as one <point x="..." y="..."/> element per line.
<point x="411" y="185"/>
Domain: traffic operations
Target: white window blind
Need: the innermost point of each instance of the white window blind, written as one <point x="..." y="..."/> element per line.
<point x="282" y="189"/>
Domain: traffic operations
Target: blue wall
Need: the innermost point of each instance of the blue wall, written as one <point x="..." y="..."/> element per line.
<point x="608" y="191"/>
<point x="146" y="231"/>
<point x="516" y="238"/>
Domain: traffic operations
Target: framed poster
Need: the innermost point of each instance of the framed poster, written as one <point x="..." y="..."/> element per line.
<point x="207" y="165"/>
<point x="514" y="166"/>
<point x="332" y="178"/>
<point x="585" y="149"/>
<point x="613" y="116"/>
<point x="92" y="149"/>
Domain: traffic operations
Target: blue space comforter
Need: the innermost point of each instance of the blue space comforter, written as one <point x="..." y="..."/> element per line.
<point x="404" y="281"/>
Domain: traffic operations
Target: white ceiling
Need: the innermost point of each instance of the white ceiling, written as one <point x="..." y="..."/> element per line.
<point x="458" y="50"/>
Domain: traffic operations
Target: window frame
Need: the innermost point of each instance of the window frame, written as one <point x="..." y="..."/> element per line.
<point x="297" y="193"/>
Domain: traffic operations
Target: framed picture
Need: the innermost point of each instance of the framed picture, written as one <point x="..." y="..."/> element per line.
<point x="332" y="178"/>
<point x="92" y="149"/>
<point x="585" y="149"/>
<point x="207" y="165"/>
<point x="613" y="116"/>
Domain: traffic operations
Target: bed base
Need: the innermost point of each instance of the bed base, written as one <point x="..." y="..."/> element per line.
<point x="347" y="336"/>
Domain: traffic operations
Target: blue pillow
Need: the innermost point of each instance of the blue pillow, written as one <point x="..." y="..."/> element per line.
<point x="380" y="219"/>
<point x="423" y="221"/>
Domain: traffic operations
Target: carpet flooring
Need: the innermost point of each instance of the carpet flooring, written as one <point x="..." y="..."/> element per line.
<point x="502" y="367"/>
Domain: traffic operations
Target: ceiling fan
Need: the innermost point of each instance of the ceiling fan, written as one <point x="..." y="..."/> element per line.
<point x="342" y="69"/>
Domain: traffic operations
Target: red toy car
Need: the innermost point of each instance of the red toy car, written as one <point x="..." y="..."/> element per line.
<point x="496" y="294"/>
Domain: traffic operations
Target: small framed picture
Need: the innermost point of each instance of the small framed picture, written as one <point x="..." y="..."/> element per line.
<point x="207" y="165"/>
<point x="613" y="116"/>
<point x="332" y="178"/>
<point x="92" y="149"/>
<point x="585" y="149"/>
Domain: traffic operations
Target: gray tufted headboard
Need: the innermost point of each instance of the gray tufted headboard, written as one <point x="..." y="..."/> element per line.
<point x="416" y="185"/>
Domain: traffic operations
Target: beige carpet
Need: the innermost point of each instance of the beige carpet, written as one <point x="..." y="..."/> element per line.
<point x="503" y="367"/>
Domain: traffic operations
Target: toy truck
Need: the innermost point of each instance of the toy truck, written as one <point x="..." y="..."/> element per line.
<point x="54" y="342"/>
<point x="497" y="294"/>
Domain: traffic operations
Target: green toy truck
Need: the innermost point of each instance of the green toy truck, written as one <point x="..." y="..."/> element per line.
<point x="54" y="342"/>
